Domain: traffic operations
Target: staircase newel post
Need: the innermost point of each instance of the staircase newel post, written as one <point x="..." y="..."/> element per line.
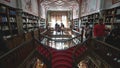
<point x="92" y="44"/>
<point x="33" y="38"/>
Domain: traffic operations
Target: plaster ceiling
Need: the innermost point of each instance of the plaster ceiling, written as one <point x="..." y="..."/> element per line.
<point x="59" y="4"/>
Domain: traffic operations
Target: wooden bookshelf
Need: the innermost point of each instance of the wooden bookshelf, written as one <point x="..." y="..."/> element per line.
<point x="91" y="19"/>
<point x="30" y="22"/>
<point x="42" y="23"/>
<point x="112" y="17"/>
<point x="8" y="23"/>
<point x="76" y="24"/>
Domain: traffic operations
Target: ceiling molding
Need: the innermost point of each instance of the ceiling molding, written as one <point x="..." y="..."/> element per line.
<point x="60" y="4"/>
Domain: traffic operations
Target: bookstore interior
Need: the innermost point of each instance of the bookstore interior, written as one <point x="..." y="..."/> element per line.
<point x="29" y="38"/>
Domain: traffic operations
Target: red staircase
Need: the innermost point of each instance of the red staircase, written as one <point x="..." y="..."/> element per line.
<point x="62" y="58"/>
<point x="80" y="51"/>
<point x="44" y="52"/>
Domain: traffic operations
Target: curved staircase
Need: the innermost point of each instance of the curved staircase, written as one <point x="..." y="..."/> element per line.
<point x="62" y="58"/>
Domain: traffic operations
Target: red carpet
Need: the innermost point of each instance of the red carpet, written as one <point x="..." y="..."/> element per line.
<point x="62" y="58"/>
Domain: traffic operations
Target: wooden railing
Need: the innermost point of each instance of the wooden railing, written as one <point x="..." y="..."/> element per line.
<point x="80" y="52"/>
<point x="42" y="33"/>
<point x="20" y="48"/>
<point x="36" y="34"/>
<point x="80" y="34"/>
<point x="14" y="57"/>
<point x="101" y="51"/>
<point x="107" y="52"/>
<point x="44" y="53"/>
<point x="20" y="51"/>
<point x="31" y="59"/>
<point x="15" y="41"/>
<point x="73" y="41"/>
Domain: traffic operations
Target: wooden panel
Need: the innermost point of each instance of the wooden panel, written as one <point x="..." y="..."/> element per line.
<point x="28" y="36"/>
<point x="36" y="34"/>
<point x="13" y="59"/>
<point x="18" y="40"/>
<point x="9" y="43"/>
<point x="15" y="41"/>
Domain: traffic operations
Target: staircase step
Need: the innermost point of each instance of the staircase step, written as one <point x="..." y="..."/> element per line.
<point x="61" y="64"/>
<point x="62" y="58"/>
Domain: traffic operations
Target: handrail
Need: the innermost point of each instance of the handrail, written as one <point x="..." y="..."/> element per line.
<point x="7" y="53"/>
<point x="28" y="57"/>
<point x="80" y="52"/>
<point x="16" y="55"/>
<point x="70" y="41"/>
<point x="46" y="60"/>
<point x="106" y="44"/>
<point x="43" y="46"/>
<point x="44" y="31"/>
<point x="80" y="45"/>
<point x="76" y="31"/>
<point x="107" y="52"/>
<point x="59" y="40"/>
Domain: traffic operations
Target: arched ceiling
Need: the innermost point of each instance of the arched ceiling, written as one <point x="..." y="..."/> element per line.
<point x="60" y="4"/>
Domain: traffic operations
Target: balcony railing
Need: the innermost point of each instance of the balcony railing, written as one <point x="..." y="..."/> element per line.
<point x="60" y="42"/>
